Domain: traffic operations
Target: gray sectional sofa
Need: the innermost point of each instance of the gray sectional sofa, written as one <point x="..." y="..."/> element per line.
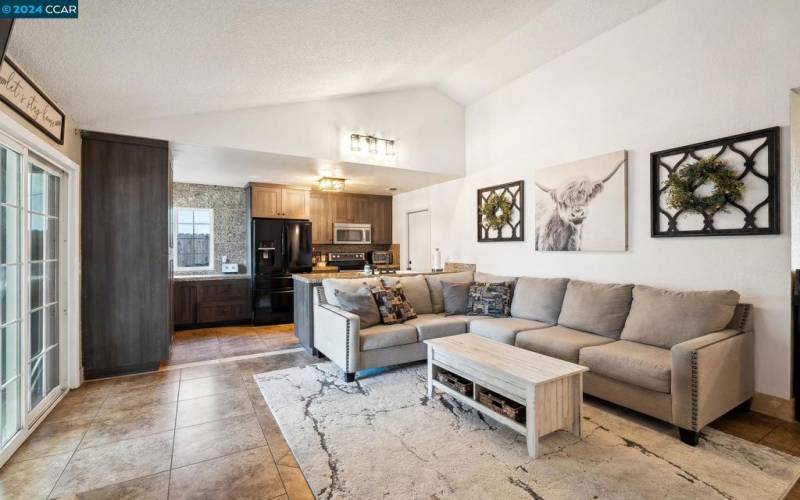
<point x="683" y="357"/>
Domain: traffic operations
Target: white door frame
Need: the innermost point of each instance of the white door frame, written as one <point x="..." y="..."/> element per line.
<point x="33" y="414"/>
<point x="29" y="144"/>
<point x="405" y="257"/>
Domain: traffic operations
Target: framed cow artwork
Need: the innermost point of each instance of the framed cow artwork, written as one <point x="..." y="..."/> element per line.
<point x="582" y="206"/>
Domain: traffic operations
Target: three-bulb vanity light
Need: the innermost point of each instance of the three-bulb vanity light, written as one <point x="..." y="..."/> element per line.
<point x="374" y="145"/>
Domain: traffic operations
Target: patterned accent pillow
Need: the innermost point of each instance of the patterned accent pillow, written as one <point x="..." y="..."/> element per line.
<point x="392" y="303"/>
<point x="490" y="299"/>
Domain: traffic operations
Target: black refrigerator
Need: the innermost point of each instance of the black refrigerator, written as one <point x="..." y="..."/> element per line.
<point x="279" y="249"/>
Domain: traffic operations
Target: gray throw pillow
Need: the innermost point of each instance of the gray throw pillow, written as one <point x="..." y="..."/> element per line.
<point x="362" y="304"/>
<point x="538" y="299"/>
<point x="489" y="299"/>
<point x="435" y="284"/>
<point x="417" y="293"/>
<point x="599" y="308"/>
<point x="455" y="297"/>
<point x="663" y="318"/>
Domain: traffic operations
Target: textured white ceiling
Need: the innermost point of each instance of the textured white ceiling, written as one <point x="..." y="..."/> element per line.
<point x="237" y="167"/>
<point x="144" y="58"/>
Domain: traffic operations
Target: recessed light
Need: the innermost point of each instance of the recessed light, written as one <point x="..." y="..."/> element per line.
<point x="391" y="189"/>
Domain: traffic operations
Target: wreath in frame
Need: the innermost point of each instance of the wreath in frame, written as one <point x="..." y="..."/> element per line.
<point x="682" y="184"/>
<point x="496" y="211"/>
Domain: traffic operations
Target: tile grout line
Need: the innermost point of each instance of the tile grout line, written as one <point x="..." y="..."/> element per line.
<point x="68" y="462"/>
<point x="174" y="437"/>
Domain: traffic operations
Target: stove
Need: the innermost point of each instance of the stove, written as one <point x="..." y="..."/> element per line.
<point x="347" y="261"/>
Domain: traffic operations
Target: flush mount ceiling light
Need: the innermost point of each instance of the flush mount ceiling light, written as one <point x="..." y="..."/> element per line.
<point x="331" y="184"/>
<point x="374" y="145"/>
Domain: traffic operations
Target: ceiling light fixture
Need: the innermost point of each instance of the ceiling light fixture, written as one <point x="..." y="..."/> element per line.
<point x="373" y="142"/>
<point x="331" y="184"/>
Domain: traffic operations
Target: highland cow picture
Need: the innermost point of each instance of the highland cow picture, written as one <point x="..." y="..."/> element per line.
<point x="582" y="206"/>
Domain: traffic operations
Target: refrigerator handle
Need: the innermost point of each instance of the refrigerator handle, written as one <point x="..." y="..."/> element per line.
<point x="285" y="263"/>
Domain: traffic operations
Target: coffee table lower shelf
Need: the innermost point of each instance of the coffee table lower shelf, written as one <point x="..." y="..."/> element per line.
<point x="502" y="419"/>
<point x="550" y="404"/>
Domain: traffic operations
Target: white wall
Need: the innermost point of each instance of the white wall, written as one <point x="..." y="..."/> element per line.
<point x="427" y="125"/>
<point x="679" y="73"/>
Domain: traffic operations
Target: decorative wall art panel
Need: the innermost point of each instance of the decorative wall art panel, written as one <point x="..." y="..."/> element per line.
<point x="583" y="205"/>
<point x="501" y="212"/>
<point x="724" y="187"/>
<point x="19" y="92"/>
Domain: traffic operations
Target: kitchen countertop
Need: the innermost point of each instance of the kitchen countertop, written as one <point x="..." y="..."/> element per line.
<point x="210" y="277"/>
<point x="318" y="277"/>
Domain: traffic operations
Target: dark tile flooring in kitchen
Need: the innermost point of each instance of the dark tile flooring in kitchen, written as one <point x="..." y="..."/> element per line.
<point x="204" y="432"/>
<point x="197" y="432"/>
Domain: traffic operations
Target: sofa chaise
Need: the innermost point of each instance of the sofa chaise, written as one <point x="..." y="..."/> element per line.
<point x="682" y="357"/>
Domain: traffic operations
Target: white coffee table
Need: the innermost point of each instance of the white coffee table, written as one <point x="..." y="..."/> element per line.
<point x="550" y="389"/>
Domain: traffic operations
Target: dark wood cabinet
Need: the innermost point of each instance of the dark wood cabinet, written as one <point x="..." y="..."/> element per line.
<point x="381" y="211"/>
<point x="125" y="254"/>
<point x="341" y="208"/>
<point x="184" y="299"/>
<point x="211" y="302"/>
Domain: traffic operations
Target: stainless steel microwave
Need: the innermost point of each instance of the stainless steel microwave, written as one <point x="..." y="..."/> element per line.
<point x="352" y="234"/>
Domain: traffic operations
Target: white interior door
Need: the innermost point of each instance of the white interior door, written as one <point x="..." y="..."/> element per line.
<point x="419" y="241"/>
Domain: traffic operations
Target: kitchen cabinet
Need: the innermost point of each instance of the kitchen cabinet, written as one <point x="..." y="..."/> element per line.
<point x="381" y="211"/>
<point x="295" y="203"/>
<point x="341" y="208"/>
<point x="265" y="201"/>
<point x="353" y="208"/>
<point x="126" y="308"/>
<point x="211" y="302"/>
<point x="321" y="220"/>
<point x="279" y="202"/>
<point x="184" y="303"/>
<point x="350" y="208"/>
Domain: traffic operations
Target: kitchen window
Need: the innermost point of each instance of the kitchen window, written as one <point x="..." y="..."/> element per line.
<point x="194" y="239"/>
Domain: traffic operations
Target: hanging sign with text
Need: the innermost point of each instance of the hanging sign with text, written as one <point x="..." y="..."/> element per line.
<point x="19" y="92"/>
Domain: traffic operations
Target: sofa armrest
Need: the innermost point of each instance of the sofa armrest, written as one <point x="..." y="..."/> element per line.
<point x="711" y="375"/>
<point x="336" y="335"/>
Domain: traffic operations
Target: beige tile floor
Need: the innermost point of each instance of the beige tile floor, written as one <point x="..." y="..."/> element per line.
<point x="198" y="432"/>
<point x="204" y="432"/>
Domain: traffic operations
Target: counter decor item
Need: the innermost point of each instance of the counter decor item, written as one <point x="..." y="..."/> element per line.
<point x="501" y="212"/>
<point x="583" y="205"/>
<point x="722" y="187"/>
<point x="437" y="260"/>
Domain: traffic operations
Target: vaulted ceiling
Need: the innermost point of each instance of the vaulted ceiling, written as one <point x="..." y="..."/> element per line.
<point x="149" y="58"/>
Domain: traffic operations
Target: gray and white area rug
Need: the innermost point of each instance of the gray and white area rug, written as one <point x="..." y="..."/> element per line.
<point x="383" y="438"/>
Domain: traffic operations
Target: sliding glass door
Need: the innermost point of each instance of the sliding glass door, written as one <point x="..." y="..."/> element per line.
<point x="11" y="201"/>
<point x="44" y="374"/>
<point x="31" y="367"/>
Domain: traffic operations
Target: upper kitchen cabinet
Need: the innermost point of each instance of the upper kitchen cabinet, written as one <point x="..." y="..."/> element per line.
<point x="351" y="208"/>
<point x="279" y="202"/>
<point x="321" y="221"/>
<point x="381" y="220"/>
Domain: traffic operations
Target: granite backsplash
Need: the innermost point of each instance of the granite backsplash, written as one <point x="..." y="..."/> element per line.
<point x="230" y="229"/>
